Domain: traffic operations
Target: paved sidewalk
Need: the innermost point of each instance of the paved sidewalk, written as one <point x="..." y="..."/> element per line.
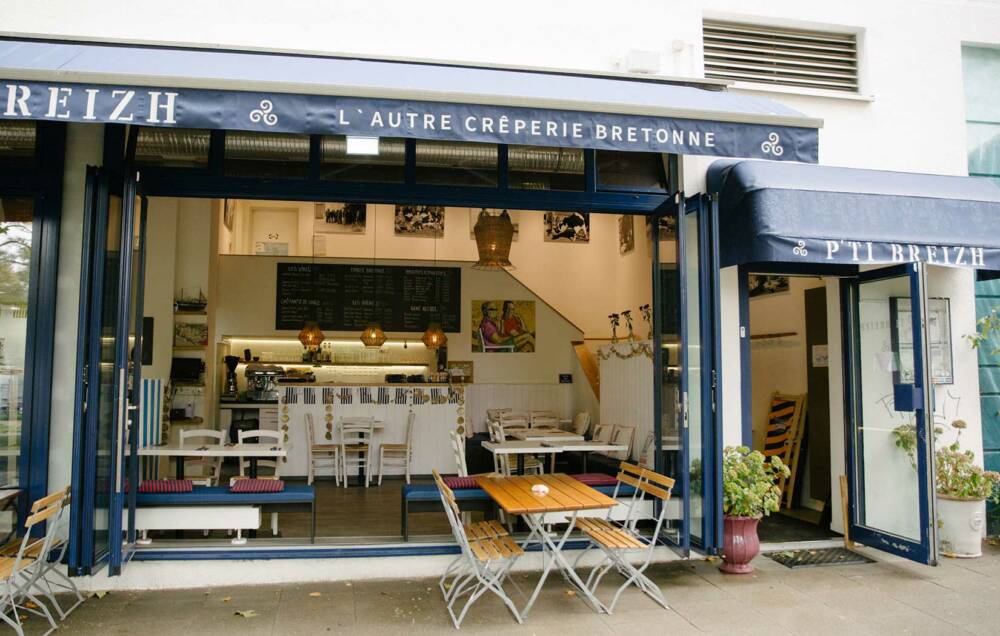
<point x="891" y="596"/>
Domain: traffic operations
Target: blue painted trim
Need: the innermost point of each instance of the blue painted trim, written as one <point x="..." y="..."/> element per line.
<point x="714" y="513"/>
<point x="746" y="375"/>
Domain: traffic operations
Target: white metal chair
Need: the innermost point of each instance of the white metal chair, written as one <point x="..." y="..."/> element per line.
<point x="209" y="469"/>
<point x="620" y="542"/>
<point x="327" y="452"/>
<point x="356" y="435"/>
<point x="263" y="436"/>
<point x="581" y="423"/>
<point x="483" y="565"/>
<point x="402" y="453"/>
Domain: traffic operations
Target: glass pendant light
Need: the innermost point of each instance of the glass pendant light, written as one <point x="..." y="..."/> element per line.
<point x="373" y="337"/>
<point x="311" y="336"/>
<point x="434" y="337"/>
<point x="494" y="234"/>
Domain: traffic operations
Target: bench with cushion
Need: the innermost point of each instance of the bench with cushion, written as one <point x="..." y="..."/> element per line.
<point x="217" y="507"/>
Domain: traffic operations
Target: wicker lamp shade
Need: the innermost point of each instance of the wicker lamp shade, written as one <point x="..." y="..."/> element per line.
<point x="311" y="337"/>
<point x="434" y="337"/>
<point x="494" y="234"/>
<point x="373" y="336"/>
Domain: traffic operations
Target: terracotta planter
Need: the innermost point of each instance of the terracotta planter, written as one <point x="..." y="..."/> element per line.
<point x="739" y="544"/>
<point x="960" y="533"/>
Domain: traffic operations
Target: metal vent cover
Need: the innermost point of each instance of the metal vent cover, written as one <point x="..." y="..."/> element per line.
<point x="781" y="56"/>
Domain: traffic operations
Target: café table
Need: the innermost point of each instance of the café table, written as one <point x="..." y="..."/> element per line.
<point x="544" y="435"/>
<point x="564" y="495"/>
<point x="520" y="448"/>
<point x="586" y="447"/>
<point x="182" y="451"/>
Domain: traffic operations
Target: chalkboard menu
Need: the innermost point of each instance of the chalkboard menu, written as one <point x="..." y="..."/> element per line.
<point x="349" y="297"/>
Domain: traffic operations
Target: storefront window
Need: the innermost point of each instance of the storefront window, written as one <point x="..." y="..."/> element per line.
<point x="385" y="167"/>
<point x="540" y="168"/>
<point x="15" y="259"/>
<point x="269" y="155"/>
<point x="172" y="148"/>
<point x="633" y="170"/>
<point x="456" y="163"/>
<point x="17" y="142"/>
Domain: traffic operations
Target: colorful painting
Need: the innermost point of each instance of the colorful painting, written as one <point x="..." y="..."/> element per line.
<point x="626" y="234"/>
<point x="503" y="326"/>
<point x="567" y="227"/>
<point x="340" y="218"/>
<point x="419" y="220"/>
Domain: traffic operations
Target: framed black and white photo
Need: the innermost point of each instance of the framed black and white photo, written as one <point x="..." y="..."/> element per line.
<point x="626" y="234"/>
<point x="766" y="284"/>
<point x="340" y="218"/>
<point x="419" y="220"/>
<point x="567" y="227"/>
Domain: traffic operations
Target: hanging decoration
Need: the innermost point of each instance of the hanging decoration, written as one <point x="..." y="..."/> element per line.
<point x="634" y="348"/>
<point x="373" y="337"/>
<point x="434" y="337"/>
<point x="614" y="327"/>
<point x="311" y="336"/>
<point x="627" y="315"/>
<point x="647" y="315"/>
<point x="631" y="346"/>
<point x="494" y="234"/>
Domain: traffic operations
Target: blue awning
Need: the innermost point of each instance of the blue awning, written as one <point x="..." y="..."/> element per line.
<point x="797" y="213"/>
<point x="197" y="88"/>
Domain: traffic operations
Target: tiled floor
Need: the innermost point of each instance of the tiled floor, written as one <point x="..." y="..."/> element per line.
<point x="891" y="596"/>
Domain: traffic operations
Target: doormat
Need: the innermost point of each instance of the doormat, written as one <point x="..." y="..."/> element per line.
<point x="814" y="558"/>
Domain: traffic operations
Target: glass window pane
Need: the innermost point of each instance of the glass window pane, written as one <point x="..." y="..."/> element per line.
<point x="386" y="166"/>
<point x="17" y="142"/>
<point x="15" y="259"/>
<point x="640" y="170"/>
<point x="984" y="149"/>
<point x="267" y="155"/>
<point x="456" y="163"/>
<point x="172" y="147"/>
<point x="541" y="168"/>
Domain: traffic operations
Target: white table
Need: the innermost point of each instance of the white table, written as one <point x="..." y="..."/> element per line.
<point x="181" y="451"/>
<point x="520" y="448"/>
<point x="587" y="447"/>
<point x="545" y="435"/>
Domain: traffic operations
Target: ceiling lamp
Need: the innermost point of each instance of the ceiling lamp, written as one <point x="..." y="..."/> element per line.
<point x="373" y="337"/>
<point x="494" y="233"/>
<point x="311" y="337"/>
<point x="434" y="337"/>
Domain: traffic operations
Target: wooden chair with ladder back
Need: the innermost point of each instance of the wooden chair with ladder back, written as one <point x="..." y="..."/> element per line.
<point x="327" y="452"/>
<point x="401" y="453"/>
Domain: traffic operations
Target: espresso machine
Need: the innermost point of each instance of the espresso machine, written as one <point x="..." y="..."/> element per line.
<point x="262" y="382"/>
<point x="230" y="392"/>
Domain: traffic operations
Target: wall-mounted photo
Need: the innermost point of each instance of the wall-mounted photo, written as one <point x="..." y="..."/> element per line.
<point x="567" y="227"/>
<point x="474" y="216"/>
<point x="764" y="284"/>
<point x="190" y="334"/>
<point x="626" y="233"/>
<point x="229" y="214"/>
<point x="503" y="326"/>
<point x="420" y="220"/>
<point x="666" y="226"/>
<point x="340" y="218"/>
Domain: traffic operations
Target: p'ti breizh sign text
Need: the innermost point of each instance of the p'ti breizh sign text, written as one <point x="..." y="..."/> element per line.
<point x="324" y="114"/>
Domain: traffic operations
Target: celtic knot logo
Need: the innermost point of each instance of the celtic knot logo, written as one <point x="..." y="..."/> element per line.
<point x="800" y="249"/>
<point x="772" y="146"/>
<point x="264" y="113"/>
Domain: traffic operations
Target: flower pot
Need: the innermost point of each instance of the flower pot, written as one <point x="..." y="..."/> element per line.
<point x="960" y="532"/>
<point x="739" y="544"/>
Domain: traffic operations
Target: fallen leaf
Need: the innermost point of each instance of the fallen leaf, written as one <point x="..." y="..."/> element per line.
<point x="101" y="593"/>
<point x="570" y="592"/>
<point x="246" y="613"/>
<point x="30" y="605"/>
<point x="315" y="594"/>
<point x="226" y="599"/>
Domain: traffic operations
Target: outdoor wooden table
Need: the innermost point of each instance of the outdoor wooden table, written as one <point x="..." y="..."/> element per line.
<point x="520" y="448"/>
<point x="587" y="447"/>
<point x="565" y="494"/>
<point x="181" y="451"/>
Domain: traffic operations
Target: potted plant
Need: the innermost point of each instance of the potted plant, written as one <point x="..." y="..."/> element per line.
<point x="962" y="491"/>
<point x="749" y="491"/>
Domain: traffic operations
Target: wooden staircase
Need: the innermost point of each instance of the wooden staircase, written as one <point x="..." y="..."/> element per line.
<point x="589" y="365"/>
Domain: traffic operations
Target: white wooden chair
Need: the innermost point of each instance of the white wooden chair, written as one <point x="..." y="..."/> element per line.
<point x="581" y="423"/>
<point x="402" y="453"/>
<point x="321" y="453"/>
<point x="263" y="436"/>
<point x="501" y="463"/>
<point x="458" y="448"/>
<point x="602" y="432"/>
<point x="514" y="420"/>
<point x="494" y="415"/>
<point x="646" y="458"/>
<point x="544" y="416"/>
<point x="623" y="436"/>
<point x="356" y="435"/>
<point x="209" y="469"/>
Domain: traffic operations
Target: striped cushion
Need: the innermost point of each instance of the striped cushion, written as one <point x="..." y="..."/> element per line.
<point x="257" y="485"/>
<point x="459" y="483"/>
<point x="166" y="485"/>
<point x="596" y="479"/>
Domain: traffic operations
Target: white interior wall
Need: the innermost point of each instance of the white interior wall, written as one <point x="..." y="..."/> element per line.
<point x="158" y="297"/>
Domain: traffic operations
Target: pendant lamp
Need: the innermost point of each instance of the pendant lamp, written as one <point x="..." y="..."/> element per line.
<point x="373" y="337"/>
<point x="311" y="336"/>
<point x="434" y="337"/>
<point x="494" y="234"/>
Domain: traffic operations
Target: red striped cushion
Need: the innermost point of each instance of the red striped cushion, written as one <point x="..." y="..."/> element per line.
<point x="166" y="485"/>
<point x="257" y="485"/>
<point x="595" y="479"/>
<point x="459" y="483"/>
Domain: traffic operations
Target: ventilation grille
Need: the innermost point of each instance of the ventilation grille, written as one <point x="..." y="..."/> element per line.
<point x="788" y="57"/>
